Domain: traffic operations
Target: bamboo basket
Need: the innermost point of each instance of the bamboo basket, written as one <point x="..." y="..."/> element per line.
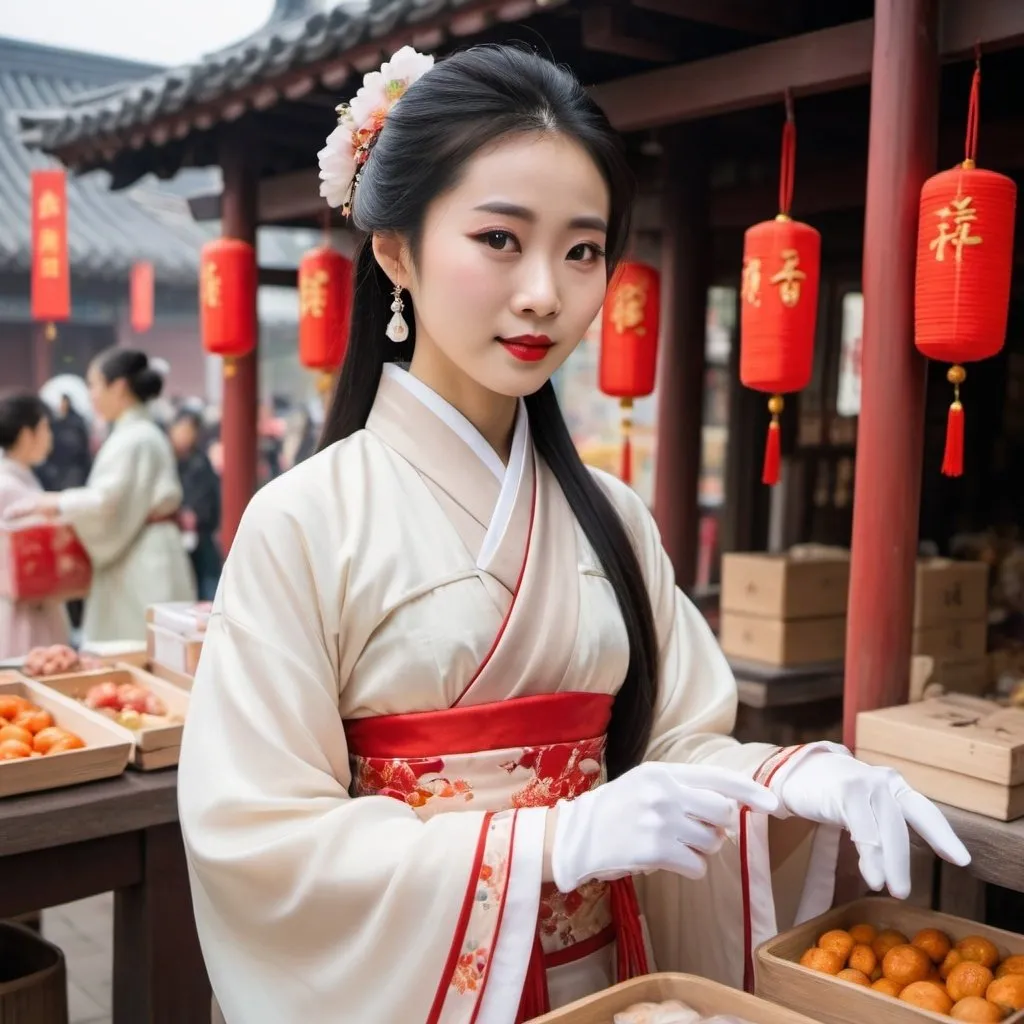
<point x="780" y="978"/>
<point x="706" y="997"/>
<point x="33" y="978"/>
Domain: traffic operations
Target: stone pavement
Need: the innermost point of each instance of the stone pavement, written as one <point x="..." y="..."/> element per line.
<point x="84" y="931"/>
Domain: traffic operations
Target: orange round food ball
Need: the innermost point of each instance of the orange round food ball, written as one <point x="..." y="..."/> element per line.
<point x="34" y="719"/>
<point x="14" y="750"/>
<point x="1007" y="992"/>
<point x="863" y="959"/>
<point x="953" y="957"/>
<point x="978" y="949"/>
<point x="15" y="732"/>
<point x="887" y="987"/>
<point x="906" y="964"/>
<point x="863" y="934"/>
<point x="838" y="941"/>
<point x="885" y="940"/>
<point x="824" y="960"/>
<point x="927" y="995"/>
<point x="69" y="741"/>
<point x="973" y="1008"/>
<point x="935" y="943"/>
<point x="968" y="979"/>
<point x="854" y="976"/>
<point x="1011" y="965"/>
<point x="11" y="705"/>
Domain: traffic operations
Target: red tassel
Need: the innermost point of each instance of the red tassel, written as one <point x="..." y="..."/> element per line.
<point x="953" y="460"/>
<point x="626" y="472"/>
<point x="631" y="955"/>
<point x="772" y="455"/>
<point x="534" y="1001"/>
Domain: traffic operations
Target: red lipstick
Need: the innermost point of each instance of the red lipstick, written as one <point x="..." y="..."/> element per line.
<point x="528" y="348"/>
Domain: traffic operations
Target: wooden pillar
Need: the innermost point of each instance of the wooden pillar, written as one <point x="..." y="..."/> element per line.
<point x="901" y="154"/>
<point x="685" y="277"/>
<point x="241" y="386"/>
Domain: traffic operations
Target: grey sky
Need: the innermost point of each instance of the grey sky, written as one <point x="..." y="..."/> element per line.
<point x="159" y="31"/>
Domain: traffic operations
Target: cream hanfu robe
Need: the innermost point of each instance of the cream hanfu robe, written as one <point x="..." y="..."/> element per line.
<point x="412" y="653"/>
<point x="125" y="519"/>
<point x="26" y="624"/>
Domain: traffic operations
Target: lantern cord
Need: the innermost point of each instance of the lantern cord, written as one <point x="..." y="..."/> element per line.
<point x="973" y="116"/>
<point x="626" y="468"/>
<point x="788" y="163"/>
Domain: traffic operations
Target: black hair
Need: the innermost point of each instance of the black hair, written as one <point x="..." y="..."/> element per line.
<point x="133" y="368"/>
<point x="18" y="411"/>
<point x="469" y="100"/>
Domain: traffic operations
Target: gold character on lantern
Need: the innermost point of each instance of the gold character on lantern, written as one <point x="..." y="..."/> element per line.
<point x="313" y="294"/>
<point x="789" y="277"/>
<point x="49" y="205"/>
<point x="629" y="306"/>
<point x="751" y="287"/>
<point x="49" y="240"/>
<point x="49" y="266"/>
<point x="962" y="214"/>
<point x="210" y="285"/>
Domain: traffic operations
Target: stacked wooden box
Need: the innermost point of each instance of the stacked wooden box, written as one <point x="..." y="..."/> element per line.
<point x="174" y="638"/>
<point x="785" y="610"/>
<point x="950" y="622"/>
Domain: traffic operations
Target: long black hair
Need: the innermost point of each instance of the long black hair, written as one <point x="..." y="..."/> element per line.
<point x="465" y="102"/>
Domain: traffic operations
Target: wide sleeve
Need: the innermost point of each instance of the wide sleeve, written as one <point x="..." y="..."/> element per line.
<point x="311" y="905"/>
<point x="770" y="873"/>
<point x="130" y="480"/>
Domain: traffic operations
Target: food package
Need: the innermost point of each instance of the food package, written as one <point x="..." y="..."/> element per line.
<point x="42" y="560"/>
<point x="57" y="660"/>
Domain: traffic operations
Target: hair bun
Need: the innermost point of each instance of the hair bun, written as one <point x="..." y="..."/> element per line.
<point x="146" y="384"/>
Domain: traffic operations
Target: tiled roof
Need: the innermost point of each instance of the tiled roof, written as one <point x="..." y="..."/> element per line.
<point x="265" y="56"/>
<point x="107" y="231"/>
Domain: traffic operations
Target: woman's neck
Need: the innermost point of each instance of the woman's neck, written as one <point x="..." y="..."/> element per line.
<point x="492" y="414"/>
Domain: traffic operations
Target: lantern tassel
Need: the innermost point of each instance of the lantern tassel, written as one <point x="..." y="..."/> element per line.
<point x="953" y="459"/>
<point x="773" y="444"/>
<point x="626" y="468"/>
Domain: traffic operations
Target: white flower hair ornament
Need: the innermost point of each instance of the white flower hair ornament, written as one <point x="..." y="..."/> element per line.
<point x="360" y="123"/>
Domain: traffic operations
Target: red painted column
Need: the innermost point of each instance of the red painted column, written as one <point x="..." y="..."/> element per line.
<point x="685" y="277"/>
<point x="241" y="387"/>
<point x="901" y="154"/>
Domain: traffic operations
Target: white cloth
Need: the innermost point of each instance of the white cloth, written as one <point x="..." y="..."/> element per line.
<point x="135" y="563"/>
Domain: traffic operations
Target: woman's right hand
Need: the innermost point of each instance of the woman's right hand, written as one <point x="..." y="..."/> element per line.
<point x="658" y="816"/>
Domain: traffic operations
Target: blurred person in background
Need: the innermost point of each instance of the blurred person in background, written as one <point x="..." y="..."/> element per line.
<point x="70" y="458"/>
<point x="26" y="440"/>
<point x="126" y="514"/>
<point x="199" y="517"/>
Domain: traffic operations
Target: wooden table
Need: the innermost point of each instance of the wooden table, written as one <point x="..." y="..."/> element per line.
<point x="117" y="835"/>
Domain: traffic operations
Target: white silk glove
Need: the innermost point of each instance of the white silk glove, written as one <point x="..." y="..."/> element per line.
<point x="656" y="816"/>
<point x="875" y="805"/>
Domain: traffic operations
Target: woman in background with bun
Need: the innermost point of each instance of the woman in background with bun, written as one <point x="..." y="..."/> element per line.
<point x="26" y="440"/>
<point x="125" y="515"/>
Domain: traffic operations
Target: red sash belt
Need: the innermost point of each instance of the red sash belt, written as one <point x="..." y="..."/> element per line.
<point x="538" y="721"/>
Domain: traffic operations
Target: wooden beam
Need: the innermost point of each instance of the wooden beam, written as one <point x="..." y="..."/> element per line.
<point x="605" y="29"/>
<point x="278" y="277"/>
<point x="815" y="62"/>
<point x="751" y="16"/>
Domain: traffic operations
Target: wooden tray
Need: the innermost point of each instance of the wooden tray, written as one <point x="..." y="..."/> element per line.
<point x="164" y="738"/>
<point x="105" y="754"/>
<point x="706" y="997"/>
<point x="179" y="679"/>
<point x="780" y="978"/>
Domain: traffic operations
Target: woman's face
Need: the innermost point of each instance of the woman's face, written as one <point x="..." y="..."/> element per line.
<point x="38" y="442"/>
<point x="511" y="269"/>
<point x="109" y="398"/>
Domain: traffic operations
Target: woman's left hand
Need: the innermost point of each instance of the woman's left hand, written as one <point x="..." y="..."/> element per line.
<point x="875" y="805"/>
<point x="47" y="505"/>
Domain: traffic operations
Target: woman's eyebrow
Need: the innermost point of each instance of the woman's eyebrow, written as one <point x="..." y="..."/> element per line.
<point x="525" y="214"/>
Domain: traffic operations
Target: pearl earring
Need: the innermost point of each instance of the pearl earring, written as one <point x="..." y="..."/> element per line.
<point x="398" y="329"/>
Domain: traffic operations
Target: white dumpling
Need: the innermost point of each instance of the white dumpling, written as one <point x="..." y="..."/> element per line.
<point x="724" y="1018"/>
<point x="669" y="1012"/>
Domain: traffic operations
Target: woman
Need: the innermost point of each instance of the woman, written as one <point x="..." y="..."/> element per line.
<point x="26" y="440"/>
<point x="125" y="513"/>
<point x="435" y="640"/>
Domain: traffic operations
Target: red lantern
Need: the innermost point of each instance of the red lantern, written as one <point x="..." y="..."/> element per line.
<point x="227" y="299"/>
<point x="325" y="304"/>
<point x="964" y="265"/>
<point x="629" y="344"/>
<point x="779" y="303"/>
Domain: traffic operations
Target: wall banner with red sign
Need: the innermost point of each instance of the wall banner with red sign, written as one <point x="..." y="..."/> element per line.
<point x="142" y="297"/>
<point x="51" y="274"/>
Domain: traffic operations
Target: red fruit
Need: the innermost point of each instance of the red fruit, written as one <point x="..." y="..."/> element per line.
<point x="103" y="695"/>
